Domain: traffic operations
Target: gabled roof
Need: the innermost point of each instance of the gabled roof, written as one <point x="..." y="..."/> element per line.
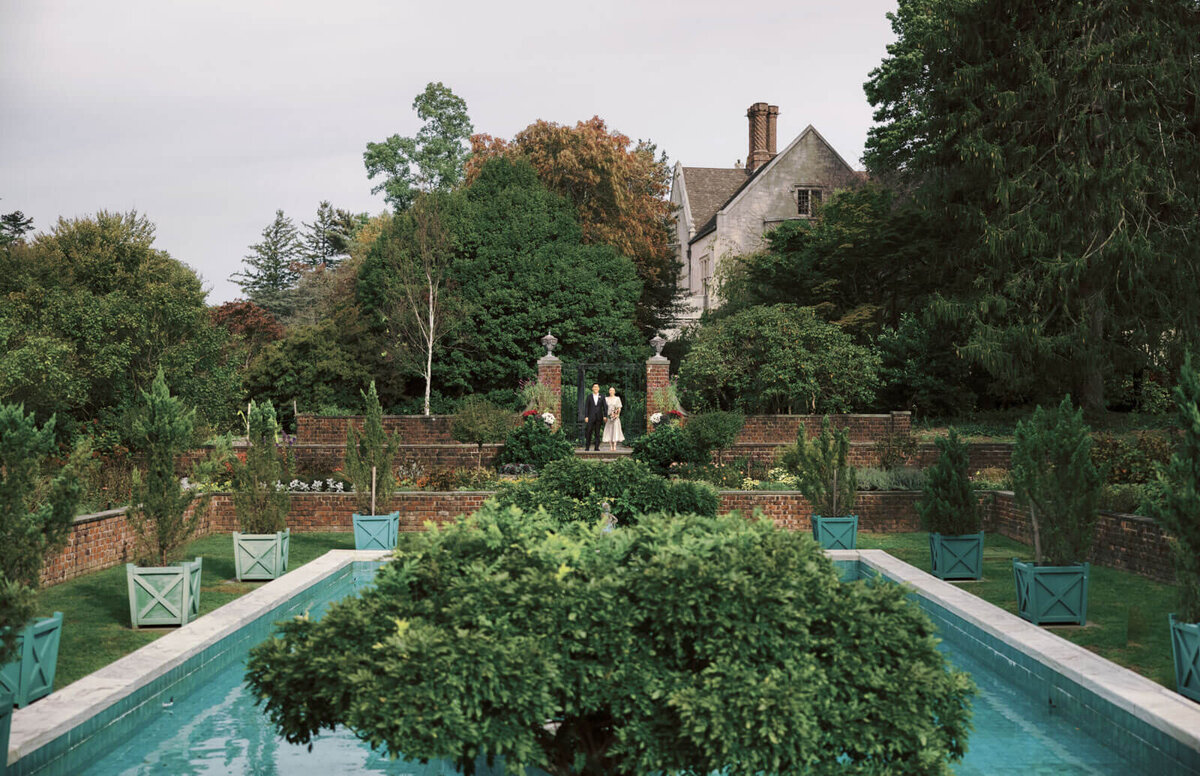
<point x="709" y="223"/>
<point x="708" y="189"/>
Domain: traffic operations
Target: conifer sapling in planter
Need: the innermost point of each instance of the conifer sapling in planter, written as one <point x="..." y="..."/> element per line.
<point x="949" y="511"/>
<point x="1178" y="511"/>
<point x="1055" y="478"/>
<point x="260" y="550"/>
<point x="370" y="457"/>
<point x="164" y="514"/>
<point x="35" y="520"/>
<point x="828" y="482"/>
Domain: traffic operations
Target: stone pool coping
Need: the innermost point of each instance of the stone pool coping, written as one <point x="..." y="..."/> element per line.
<point x="1157" y="706"/>
<point x="55" y="715"/>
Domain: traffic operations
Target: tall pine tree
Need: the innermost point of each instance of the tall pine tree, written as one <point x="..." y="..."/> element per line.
<point x="325" y="240"/>
<point x="1058" y="143"/>
<point x="271" y="267"/>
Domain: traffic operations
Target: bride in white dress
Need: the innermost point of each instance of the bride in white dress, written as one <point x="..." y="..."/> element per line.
<point x="612" y="426"/>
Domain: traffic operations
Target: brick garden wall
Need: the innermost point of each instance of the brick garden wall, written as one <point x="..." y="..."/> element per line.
<point x="866" y="454"/>
<point x="782" y="429"/>
<point x="413" y="429"/>
<point x="1127" y="542"/>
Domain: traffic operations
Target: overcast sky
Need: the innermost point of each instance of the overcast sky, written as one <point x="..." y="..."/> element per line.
<point x="207" y="116"/>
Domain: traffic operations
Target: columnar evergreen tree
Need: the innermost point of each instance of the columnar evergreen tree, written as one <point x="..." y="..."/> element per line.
<point x="826" y="479"/>
<point x="35" y="519"/>
<point x="948" y="504"/>
<point x="1054" y="476"/>
<point x="160" y="430"/>
<point x="271" y="267"/>
<point x="1058" y="145"/>
<point x="261" y="507"/>
<point x="433" y="160"/>
<point x="371" y="448"/>
<point x="1179" y="482"/>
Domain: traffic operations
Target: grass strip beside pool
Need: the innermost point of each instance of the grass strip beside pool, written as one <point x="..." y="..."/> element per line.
<point x="95" y="606"/>
<point x="1127" y="613"/>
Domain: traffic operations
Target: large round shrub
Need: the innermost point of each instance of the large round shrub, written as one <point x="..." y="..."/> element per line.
<point x="680" y="645"/>
<point x="574" y="490"/>
<point x="778" y="359"/>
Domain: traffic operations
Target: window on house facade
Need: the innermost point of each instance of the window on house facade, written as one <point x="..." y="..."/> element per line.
<point x="807" y="201"/>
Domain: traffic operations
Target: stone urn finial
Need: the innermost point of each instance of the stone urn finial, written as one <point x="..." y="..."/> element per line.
<point x="548" y="342"/>
<point x="657" y="343"/>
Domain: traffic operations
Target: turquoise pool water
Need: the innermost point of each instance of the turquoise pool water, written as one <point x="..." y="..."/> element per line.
<point x="213" y="727"/>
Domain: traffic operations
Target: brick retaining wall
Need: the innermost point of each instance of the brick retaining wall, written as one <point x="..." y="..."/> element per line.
<point x="413" y="429"/>
<point x="1127" y="542"/>
<point x="782" y="429"/>
<point x="866" y="454"/>
<point x="886" y="512"/>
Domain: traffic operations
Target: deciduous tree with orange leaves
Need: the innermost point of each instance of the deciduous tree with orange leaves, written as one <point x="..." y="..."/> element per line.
<point x="619" y="189"/>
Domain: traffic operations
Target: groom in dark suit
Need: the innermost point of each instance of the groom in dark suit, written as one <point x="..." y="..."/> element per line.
<point x="595" y="411"/>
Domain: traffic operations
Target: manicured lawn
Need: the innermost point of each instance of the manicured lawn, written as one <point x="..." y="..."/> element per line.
<point x="1127" y="614"/>
<point x="95" y="607"/>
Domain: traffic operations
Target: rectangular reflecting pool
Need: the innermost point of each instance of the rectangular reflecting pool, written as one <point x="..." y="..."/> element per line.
<point x="198" y="717"/>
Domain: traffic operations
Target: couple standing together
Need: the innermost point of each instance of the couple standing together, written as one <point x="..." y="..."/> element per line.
<point x="600" y="412"/>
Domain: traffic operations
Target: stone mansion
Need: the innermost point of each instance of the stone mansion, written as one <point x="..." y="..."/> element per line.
<point x="723" y="212"/>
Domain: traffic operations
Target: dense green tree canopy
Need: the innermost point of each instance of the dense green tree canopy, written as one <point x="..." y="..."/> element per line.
<point x="861" y="263"/>
<point x="1057" y="145"/>
<point x="520" y="270"/>
<point x="680" y="645"/>
<point x="432" y="160"/>
<point x="272" y="267"/>
<point x="91" y="310"/>
<point x="778" y="358"/>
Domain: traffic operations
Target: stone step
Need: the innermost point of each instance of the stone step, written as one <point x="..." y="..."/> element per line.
<point x="603" y="454"/>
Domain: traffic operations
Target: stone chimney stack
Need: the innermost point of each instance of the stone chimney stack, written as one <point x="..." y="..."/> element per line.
<point x="762" y="135"/>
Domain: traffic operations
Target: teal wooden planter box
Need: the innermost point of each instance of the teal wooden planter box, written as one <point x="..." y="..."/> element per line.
<point x="6" y="710"/>
<point x="376" y="532"/>
<point x="836" y="533"/>
<point x="1185" y="646"/>
<point x="260" y="556"/>
<point x="163" y="595"/>
<point x="31" y="675"/>
<point x="957" y="556"/>
<point x="1052" y="595"/>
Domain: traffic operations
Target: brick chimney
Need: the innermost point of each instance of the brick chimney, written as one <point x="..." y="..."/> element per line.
<point x="762" y="135"/>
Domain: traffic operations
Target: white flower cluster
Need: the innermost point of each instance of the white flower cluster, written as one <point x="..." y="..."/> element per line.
<point x="656" y="418"/>
<point x="316" y="486"/>
<point x="548" y="418"/>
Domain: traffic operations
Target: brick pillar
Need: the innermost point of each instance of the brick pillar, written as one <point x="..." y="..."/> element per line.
<point x="658" y="376"/>
<point x="549" y="369"/>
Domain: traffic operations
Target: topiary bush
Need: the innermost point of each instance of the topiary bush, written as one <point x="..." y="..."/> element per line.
<point x="535" y="444"/>
<point x="679" y="645"/>
<point x="948" y="504"/>
<point x="1054" y="476"/>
